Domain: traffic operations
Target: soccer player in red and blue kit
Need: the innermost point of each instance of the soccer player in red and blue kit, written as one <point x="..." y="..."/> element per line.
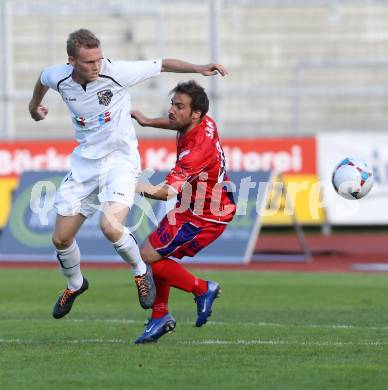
<point x="203" y="210"/>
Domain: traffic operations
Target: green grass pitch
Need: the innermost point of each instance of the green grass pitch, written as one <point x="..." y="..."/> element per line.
<point x="267" y="331"/>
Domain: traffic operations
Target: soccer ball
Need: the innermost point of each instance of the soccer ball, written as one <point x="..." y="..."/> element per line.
<point x="352" y="178"/>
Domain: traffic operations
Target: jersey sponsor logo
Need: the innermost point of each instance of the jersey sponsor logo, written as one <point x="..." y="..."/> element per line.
<point x="80" y="121"/>
<point x="104" y="97"/>
<point x="104" y="118"/>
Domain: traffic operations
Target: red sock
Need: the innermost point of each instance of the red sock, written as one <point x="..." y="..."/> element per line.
<point x="160" y="307"/>
<point x="174" y="275"/>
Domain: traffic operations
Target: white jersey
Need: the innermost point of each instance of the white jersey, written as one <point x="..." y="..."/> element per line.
<point x="101" y="109"/>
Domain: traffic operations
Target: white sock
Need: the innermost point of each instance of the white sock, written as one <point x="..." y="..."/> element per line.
<point x="69" y="260"/>
<point x="127" y="248"/>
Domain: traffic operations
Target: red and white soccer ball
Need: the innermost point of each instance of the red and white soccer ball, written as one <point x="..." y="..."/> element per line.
<point x="352" y="178"/>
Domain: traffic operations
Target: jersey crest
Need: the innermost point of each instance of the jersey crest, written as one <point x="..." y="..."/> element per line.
<point x="104" y="96"/>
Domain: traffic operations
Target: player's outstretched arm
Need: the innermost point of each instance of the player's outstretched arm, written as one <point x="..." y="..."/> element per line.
<point x="179" y="66"/>
<point x="37" y="110"/>
<point x="159" y="192"/>
<point x="142" y="120"/>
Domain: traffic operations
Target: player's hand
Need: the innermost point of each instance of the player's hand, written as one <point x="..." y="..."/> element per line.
<point x="213" y="69"/>
<point x="141" y="119"/>
<point x="39" y="113"/>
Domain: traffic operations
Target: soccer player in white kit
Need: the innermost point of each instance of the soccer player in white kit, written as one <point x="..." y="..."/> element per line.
<point x="105" y="165"/>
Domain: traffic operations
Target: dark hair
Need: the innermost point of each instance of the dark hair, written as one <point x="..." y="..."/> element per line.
<point x="81" y="38"/>
<point x="199" y="99"/>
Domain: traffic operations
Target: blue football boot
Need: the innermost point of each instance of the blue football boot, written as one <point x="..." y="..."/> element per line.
<point x="156" y="328"/>
<point x="205" y="302"/>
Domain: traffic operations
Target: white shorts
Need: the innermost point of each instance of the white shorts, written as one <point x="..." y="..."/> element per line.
<point x="92" y="182"/>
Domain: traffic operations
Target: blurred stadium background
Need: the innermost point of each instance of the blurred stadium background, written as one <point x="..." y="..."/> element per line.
<point x="296" y="67"/>
<point x="307" y="86"/>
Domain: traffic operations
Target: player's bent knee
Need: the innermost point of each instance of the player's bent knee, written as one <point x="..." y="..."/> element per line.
<point x="61" y="242"/>
<point x="112" y="233"/>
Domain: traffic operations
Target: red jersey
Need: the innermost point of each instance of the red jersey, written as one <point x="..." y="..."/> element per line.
<point x="199" y="175"/>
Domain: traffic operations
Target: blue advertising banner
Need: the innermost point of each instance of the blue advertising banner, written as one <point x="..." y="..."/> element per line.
<point x="27" y="236"/>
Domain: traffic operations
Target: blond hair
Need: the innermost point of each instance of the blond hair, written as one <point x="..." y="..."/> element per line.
<point x="81" y="38"/>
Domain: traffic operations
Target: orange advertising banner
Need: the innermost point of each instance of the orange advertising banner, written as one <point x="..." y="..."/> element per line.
<point x="19" y="156"/>
<point x="282" y="155"/>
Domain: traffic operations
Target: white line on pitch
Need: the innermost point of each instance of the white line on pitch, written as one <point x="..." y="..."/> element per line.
<point x="208" y="342"/>
<point x="250" y="324"/>
<point x="247" y="324"/>
<point x="329" y="326"/>
<point x="113" y="321"/>
<point x="74" y="341"/>
<point x="282" y="342"/>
